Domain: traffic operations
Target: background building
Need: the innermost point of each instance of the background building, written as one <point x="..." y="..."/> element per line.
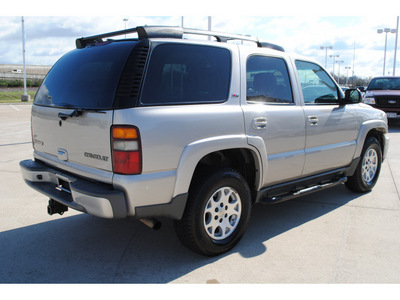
<point x="16" y="72"/>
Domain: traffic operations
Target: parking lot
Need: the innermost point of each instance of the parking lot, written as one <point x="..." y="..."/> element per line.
<point x="334" y="236"/>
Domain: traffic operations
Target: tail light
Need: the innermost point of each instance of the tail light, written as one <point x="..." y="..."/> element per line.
<point x="126" y="150"/>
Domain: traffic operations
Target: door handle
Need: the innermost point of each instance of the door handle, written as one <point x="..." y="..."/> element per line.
<point x="312" y="120"/>
<point x="260" y="123"/>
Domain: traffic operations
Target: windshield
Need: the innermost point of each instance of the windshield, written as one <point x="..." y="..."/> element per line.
<point x="85" y="78"/>
<point x="384" y="84"/>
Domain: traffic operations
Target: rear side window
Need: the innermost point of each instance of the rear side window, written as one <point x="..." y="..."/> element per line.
<point x="187" y="74"/>
<point x="85" y="78"/>
<point x="268" y="80"/>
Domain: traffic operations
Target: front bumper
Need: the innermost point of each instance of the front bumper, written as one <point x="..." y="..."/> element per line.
<point x="94" y="198"/>
<point x="391" y="112"/>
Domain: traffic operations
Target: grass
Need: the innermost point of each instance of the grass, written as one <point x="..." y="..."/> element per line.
<point x="12" y="97"/>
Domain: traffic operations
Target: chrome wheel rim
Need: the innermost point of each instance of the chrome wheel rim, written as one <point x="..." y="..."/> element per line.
<point x="369" y="166"/>
<point x="222" y="213"/>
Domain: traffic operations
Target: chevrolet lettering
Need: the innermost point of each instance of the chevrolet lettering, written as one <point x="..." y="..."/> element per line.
<point x="96" y="156"/>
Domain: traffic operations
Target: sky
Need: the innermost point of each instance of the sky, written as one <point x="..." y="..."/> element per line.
<point x="51" y="32"/>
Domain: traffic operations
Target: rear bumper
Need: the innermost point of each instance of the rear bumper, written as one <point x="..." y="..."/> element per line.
<point x="95" y="198"/>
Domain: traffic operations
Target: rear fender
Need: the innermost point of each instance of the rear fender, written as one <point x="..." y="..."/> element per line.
<point x="194" y="152"/>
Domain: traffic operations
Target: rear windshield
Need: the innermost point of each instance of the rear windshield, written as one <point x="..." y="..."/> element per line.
<point x="187" y="74"/>
<point x="85" y="78"/>
<point x="384" y="84"/>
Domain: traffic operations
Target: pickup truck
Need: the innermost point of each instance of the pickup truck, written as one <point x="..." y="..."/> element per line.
<point x="384" y="93"/>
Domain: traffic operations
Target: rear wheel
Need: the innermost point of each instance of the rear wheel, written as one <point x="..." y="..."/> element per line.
<point x="368" y="169"/>
<point x="217" y="213"/>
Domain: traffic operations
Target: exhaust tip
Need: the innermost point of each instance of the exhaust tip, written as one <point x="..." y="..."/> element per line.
<point x="152" y="223"/>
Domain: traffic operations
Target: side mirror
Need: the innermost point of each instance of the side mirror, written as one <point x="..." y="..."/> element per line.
<point x="362" y="89"/>
<point x="351" y="96"/>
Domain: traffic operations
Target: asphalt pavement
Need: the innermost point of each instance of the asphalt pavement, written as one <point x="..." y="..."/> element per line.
<point x="333" y="236"/>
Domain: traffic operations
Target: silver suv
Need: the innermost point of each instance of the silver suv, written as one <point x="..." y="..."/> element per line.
<point x="194" y="130"/>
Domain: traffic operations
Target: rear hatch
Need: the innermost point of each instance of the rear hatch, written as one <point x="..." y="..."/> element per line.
<point x="73" y="109"/>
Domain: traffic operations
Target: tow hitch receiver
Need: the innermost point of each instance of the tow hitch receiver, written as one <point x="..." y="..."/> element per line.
<point x="55" y="207"/>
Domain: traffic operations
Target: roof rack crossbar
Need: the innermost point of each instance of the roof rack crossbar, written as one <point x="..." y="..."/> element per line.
<point x="171" y="32"/>
<point x="220" y="36"/>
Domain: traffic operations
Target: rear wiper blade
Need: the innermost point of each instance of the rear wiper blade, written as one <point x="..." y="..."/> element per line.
<point x="78" y="112"/>
<point x="74" y="113"/>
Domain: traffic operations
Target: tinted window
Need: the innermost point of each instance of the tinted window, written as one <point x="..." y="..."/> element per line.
<point x="185" y="74"/>
<point x="317" y="86"/>
<point x="85" y="78"/>
<point x="268" y="80"/>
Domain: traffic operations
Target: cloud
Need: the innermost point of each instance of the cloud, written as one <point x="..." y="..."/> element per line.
<point x="49" y="37"/>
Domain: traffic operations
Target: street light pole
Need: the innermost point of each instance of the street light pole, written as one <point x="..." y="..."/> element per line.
<point x="209" y="26"/>
<point x="333" y="70"/>
<point x="386" y="31"/>
<point x="354" y="58"/>
<point x="25" y="96"/>
<point x="347" y="75"/>
<point x="339" y="62"/>
<point x="125" y="20"/>
<point x="395" y="47"/>
<point x="326" y="52"/>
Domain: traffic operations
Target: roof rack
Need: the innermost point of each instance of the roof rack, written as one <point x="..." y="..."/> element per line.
<point x="172" y="32"/>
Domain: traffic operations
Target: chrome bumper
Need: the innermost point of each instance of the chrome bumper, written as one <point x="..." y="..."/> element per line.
<point x="94" y="198"/>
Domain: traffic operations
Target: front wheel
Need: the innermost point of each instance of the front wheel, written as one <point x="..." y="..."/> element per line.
<point x="217" y="213"/>
<point x="368" y="169"/>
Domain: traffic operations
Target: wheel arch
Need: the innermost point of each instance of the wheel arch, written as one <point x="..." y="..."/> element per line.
<point x="240" y="159"/>
<point x="210" y="154"/>
<point x="377" y="129"/>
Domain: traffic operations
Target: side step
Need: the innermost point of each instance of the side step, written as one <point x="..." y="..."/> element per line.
<point x="269" y="199"/>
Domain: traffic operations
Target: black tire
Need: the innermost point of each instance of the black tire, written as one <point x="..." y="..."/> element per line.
<point x="368" y="169"/>
<point x="207" y="226"/>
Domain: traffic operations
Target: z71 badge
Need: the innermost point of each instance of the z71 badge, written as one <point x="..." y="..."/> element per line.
<point x="96" y="156"/>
